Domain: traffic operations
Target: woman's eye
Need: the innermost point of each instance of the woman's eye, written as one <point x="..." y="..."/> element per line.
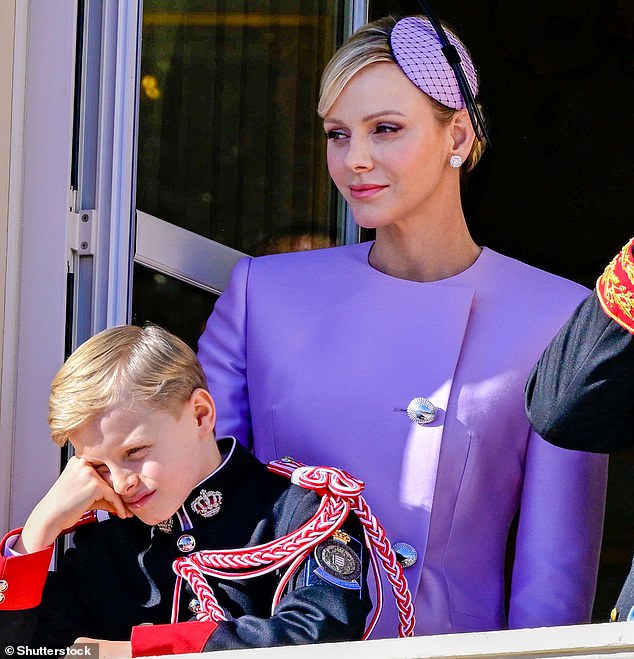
<point x="335" y="135"/>
<point x="387" y="128"/>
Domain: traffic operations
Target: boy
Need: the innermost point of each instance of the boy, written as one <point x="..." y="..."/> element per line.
<point x="133" y="402"/>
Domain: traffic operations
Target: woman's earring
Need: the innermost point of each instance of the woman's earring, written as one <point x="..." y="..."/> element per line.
<point x="455" y="161"/>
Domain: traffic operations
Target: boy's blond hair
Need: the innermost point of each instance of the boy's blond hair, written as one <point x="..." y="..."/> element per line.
<point x="122" y="365"/>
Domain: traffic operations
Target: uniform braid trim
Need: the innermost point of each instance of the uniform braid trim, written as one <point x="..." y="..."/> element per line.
<point x="341" y="493"/>
<point x="615" y="288"/>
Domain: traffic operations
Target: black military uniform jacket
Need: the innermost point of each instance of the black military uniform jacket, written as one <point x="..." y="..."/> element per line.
<point x="119" y="573"/>
<point x="580" y="394"/>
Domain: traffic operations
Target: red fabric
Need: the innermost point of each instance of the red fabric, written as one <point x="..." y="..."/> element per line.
<point x="180" y="638"/>
<point x="615" y="288"/>
<point x="22" y="578"/>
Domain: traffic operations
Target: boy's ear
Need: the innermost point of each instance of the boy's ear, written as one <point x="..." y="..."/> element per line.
<point x="204" y="410"/>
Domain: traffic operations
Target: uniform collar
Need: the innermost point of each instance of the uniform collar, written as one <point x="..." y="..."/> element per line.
<point x="206" y="500"/>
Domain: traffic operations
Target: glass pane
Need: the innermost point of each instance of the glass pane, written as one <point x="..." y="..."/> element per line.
<point x="180" y="308"/>
<point x="230" y="145"/>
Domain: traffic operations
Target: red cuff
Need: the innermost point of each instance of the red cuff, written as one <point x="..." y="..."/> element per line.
<point x="615" y="288"/>
<point x="180" y="638"/>
<point x="22" y="578"/>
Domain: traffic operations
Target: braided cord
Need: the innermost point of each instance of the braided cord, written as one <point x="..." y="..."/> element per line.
<point x="340" y="494"/>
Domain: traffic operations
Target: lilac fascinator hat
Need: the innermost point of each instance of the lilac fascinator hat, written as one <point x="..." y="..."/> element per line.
<point x="438" y="64"/>
<point x="418" y="51"/>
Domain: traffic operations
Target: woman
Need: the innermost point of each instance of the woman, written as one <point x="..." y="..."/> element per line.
<point x="404" y="360"/>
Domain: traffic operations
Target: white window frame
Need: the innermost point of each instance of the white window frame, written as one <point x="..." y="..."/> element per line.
<point x="38" y="198"/>
<point x="39" y="203"/>
<point x="11" y="58"/>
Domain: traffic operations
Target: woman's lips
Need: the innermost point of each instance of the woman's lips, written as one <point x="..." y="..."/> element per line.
<point x="365" y="191"/>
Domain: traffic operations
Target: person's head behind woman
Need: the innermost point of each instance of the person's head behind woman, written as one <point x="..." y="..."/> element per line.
<point x="373" y="43"/>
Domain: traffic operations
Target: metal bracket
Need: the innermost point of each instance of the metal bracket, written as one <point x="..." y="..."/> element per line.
<point x="82" y="229"/>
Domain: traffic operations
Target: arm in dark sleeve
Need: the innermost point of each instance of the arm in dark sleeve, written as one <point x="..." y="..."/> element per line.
<point x="22" y="580"/>
<point x="319" y="612"/>
<point x="314" y="610"/>
<point x="580" y="394"/>
<point x="42" y="608"/>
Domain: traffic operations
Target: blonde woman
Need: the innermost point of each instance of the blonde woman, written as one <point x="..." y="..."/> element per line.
<point x="404" y="359"/>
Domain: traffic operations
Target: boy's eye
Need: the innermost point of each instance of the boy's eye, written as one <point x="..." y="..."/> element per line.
<point x="136" y="451"/>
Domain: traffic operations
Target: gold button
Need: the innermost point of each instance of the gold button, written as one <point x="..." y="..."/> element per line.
<point x="3" y="585"/>
<point x="614" y="614"/>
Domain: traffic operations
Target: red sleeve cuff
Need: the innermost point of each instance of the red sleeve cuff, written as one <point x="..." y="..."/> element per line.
<point x="22" y="578"/>
<point x="615" y="288"/>
<point x="180" y="638"/>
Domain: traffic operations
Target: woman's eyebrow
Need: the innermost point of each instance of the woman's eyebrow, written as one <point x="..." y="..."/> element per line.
<point x="369" y="117"/>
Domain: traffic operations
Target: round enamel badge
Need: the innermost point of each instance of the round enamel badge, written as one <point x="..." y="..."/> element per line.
<point x="338" y="560"/>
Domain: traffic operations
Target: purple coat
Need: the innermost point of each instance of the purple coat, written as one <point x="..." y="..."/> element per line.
<point x="316" y="354"/>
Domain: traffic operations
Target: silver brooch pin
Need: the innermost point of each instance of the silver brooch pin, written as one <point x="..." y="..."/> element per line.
<point x="207" y="504"/>
<point x="421" y="411"/>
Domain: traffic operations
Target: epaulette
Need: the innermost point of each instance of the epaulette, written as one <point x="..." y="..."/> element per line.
<point x="615" y="288"/>
<point x="341" y="494"/>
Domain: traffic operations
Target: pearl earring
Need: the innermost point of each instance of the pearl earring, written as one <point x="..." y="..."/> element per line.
<point x="455" y="161"/>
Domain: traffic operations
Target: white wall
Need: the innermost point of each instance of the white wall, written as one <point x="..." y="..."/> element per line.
<point x="7" y="21"/>
<point x="33" y="336"/>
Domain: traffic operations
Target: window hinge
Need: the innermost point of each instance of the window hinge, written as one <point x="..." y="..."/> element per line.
<point x="82" y="229"/>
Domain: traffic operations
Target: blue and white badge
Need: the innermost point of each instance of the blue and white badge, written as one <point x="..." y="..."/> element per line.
<point x="337" y="561"/>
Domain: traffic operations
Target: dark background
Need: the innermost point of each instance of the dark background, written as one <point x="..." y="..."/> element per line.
<point x="557" y="84"/>
<point x="555" y="190"/>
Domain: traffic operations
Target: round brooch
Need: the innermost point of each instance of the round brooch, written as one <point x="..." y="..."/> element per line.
<point x="421" y="411"/>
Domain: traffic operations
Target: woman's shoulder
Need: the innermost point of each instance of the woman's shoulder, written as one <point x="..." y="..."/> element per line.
<point x="315" y="268"/>
<point x="328" y="256"/>
<point x="528" y="280"/>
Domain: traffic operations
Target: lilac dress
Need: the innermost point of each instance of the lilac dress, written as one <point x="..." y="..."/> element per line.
<point x="316" y="355"/>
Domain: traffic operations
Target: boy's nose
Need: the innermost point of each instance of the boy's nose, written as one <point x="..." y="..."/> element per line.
<point x="124" y="481"/>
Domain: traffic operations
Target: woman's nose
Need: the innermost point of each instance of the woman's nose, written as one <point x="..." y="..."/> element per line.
<point x="358" y="158"/>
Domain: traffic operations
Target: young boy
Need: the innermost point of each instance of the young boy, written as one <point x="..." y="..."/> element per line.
<point x="133" y="402"/>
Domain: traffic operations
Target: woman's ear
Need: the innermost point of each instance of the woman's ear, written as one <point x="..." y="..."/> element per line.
<point x="204" y="410"/>
<point x="462" y="134"/>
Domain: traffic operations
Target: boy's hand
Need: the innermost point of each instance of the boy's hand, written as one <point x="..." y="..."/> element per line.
<point x="78" y="489"/>
<point x="107" y="649"/>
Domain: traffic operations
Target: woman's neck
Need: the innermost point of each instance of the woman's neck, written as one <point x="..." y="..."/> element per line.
<point x="426" y="251"/>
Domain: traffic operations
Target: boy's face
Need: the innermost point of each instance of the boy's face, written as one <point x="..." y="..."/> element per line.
<point x="151" y="459"/>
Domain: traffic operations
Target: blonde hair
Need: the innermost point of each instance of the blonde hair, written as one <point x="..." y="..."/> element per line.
<point x="122" y="365"/>
<point x="370" y="44"/>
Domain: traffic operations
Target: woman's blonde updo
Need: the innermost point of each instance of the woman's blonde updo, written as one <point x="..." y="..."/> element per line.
<point x="370" y="44"/>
